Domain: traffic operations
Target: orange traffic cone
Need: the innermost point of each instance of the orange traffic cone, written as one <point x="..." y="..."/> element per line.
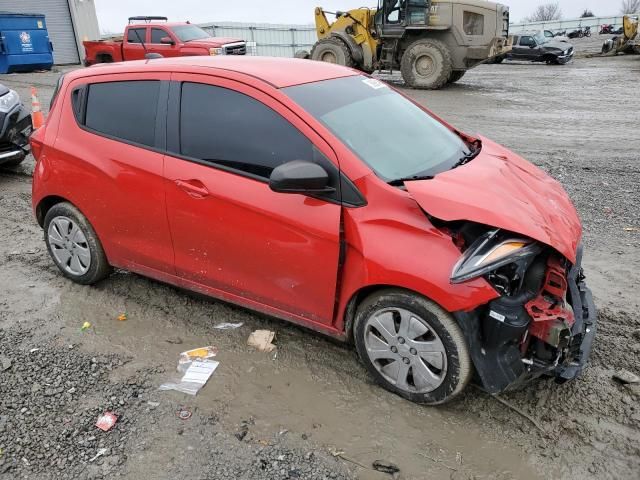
<point x="37" y="117"/>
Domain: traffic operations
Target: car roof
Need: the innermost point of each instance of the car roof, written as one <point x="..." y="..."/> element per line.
<point x="278" y="72"/>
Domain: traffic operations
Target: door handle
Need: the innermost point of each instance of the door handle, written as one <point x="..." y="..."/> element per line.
<point x="193" y="188"/>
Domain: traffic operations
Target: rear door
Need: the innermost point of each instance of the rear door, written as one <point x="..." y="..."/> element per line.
<point x="232" y="234"/>
<point x="109" y="140"/>
<point x="132" y="46"/>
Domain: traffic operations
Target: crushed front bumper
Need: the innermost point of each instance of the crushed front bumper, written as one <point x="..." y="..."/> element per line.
<point x="495" y="348"/>
<point x="15" y="128"/>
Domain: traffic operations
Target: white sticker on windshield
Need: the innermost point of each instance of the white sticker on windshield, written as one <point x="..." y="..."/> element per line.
<point x="375" y="84"/>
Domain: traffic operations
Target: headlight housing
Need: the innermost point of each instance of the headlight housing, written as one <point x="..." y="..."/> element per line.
<point x="216" y="51"/>
<point x="490" y="251"/>
<point x="8" y="101"/>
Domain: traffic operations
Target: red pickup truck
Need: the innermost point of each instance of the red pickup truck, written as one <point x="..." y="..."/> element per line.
<point x="157" y="36"/>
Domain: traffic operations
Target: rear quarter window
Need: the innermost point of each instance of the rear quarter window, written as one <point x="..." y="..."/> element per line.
<point x="124" y="110"/>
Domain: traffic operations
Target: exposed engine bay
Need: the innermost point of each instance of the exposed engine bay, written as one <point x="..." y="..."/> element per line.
<point x="543" y="322"/>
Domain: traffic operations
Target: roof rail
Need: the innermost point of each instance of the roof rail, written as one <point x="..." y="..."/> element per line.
<point x="147" y="19"/>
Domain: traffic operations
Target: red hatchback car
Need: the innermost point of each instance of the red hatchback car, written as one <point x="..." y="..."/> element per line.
<point x="314" y="193"/>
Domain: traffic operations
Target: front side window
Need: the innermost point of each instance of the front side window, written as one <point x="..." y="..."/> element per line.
<point x="187" y="33"/>
<point x="124" y="110"/>
<point x="389" y="133"/>
<point x="227" y="128"/>
<point x="136" y="35"/>
<point x="157" y="34"/>
<point x="473" y="23"/>
<point x="527" y="41"/>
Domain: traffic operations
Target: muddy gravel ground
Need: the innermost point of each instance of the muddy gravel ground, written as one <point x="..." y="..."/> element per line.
<point x="311" y="411"/>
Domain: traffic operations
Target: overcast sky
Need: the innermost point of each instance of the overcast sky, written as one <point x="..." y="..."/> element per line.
<point x="113" y="14"/>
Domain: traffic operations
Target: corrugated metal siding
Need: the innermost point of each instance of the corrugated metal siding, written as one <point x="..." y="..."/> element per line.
<point x="571" y="24"/>
<point x="59" y="25"/>
<point x="267" y="39"/>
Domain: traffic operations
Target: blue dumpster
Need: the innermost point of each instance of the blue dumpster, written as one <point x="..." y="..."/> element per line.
<point x="24" y="43"/>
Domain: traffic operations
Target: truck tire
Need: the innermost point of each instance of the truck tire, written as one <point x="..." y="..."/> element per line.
<point x="426" y="64"/>
<point x="302" y="54"/>
<point x="104" y="58"/>
<point x="498" y="59"/>
<point x="456" y="75"/>
<point x="332" y="50"/>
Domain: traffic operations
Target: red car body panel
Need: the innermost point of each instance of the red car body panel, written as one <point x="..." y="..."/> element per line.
<point x="506" y="192"/>
<point x="233" y="238"/>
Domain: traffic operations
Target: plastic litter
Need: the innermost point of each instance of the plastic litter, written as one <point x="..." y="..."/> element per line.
<point x="262" y="340"/>
<point x="106" y="421"/>
<point x="183" y="413"/>
<point x="122" y="317"/>
<point x="625" y="377"/>
<point x="228" y="326"/>
<point x="196" y="368"/>
<point x="85" y="326"/>
<point x="100" y="453"/>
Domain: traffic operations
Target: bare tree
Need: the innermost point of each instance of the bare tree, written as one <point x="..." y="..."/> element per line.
<point x="546" y="12"/>
<point x="587" y="13"/>
<point x="630" y="6"/>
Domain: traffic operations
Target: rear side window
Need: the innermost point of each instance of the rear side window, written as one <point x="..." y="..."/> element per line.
<point x="136" y="35"/>
<point x="124" y="110"/>
<point x="473" y="23"/>
<point x="227" y="128"/>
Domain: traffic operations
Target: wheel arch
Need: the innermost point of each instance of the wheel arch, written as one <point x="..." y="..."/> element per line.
<point x="46" y="204"/>
<point x="361" y="295"/>
<point x="355" y="49"/>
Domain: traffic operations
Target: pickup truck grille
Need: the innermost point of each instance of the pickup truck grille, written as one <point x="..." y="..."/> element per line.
<point x="235" y="49"/>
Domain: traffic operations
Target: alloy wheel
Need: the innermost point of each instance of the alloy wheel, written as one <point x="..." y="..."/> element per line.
<point x="405" y="350"/>
<point x="69" y="246"/>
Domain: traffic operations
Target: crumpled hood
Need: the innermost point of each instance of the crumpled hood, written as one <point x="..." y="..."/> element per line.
<point x="213" y="42"/>
<point x="501" y="189"/>
<point x="556" y="45"/>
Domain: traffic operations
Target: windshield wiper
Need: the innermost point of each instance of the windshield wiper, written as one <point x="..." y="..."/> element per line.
<point x="467" y="158"/>
<point x="399" y="181"/>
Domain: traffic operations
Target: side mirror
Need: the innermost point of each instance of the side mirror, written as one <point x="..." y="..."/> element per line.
<point x="533" y="45"/>
<point x="299" y="176"/>
<point x="167" y="41"/>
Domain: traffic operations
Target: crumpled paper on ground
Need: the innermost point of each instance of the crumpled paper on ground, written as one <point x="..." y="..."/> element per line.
<point x="261" y="340"/>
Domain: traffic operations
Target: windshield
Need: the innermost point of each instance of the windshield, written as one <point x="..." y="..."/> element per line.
<point x="186" y="33"/>
<point x="394" y="137"/>
<point x="540" y="38"/>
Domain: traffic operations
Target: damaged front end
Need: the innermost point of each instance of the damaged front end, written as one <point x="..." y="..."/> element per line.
<point x="543" y="322"/>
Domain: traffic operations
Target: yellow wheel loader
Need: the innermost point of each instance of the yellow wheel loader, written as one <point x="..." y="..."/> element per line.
<point x="432" y="42"/>
<point x="628" y="42"/>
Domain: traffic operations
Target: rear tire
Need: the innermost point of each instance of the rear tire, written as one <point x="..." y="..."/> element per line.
<point x="456" y="75"/>
<point x="426" y="64"/>
<point x="74" y="246"/>
<point x="498" y="59"/>
<point x="332" y="50"/>
<point x="412" y="347"/>
<point x="302" y="54"/>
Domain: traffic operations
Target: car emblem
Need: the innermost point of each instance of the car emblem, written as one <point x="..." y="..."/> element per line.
<point x="25" y="37"/>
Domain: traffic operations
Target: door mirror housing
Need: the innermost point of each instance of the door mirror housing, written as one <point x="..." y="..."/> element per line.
<point x="299" y="176"/>
<point x="167" y="41"/>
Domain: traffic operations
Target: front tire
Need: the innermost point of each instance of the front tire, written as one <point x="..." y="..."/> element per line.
<point x="332" y="50"/>
<point x="74" y="246"/>
<point x="426" y="64"/>
<point x="456" y="75"/>
<point x="412" y="347"/>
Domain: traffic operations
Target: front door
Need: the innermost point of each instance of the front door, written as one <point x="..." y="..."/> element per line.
<point x="231" y="232"/>
<point x="164" y="49"/>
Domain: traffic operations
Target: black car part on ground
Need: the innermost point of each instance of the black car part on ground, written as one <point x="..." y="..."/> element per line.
<point x="494" y="334"/>
<point x="15" y="128"/>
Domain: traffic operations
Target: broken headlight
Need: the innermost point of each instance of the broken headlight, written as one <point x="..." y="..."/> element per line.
<point x="491" y="251"/>
<point x="8" y="101"/>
